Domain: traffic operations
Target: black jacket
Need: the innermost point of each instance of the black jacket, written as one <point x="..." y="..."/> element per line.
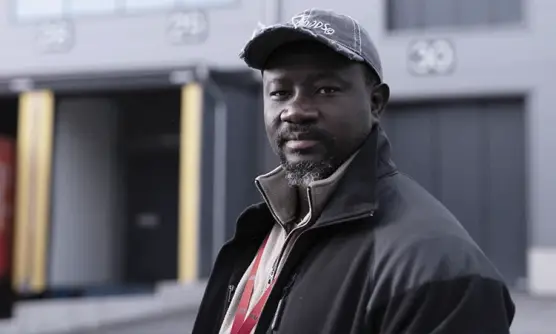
<point x="384" y="257"/>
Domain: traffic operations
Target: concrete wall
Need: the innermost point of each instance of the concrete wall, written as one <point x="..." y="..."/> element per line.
<point x="128" y="42"/>
<point x="85" y="246"/>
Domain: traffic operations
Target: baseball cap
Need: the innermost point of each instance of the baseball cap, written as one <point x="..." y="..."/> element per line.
<point x="340" y="32"/>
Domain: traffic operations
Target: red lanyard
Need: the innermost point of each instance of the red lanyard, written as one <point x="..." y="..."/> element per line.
<point x="244" y="324"/>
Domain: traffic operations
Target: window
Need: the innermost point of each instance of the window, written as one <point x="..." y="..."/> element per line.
<point x="133" y="5"/>
<point x="423" y="14"/>
<point x="54" y="9"/>
<point x="31" y="9"/>
<point x="91" y="7"/>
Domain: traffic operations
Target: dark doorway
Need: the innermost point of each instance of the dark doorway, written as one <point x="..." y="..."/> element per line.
<point x="152" y="222"/>
<point x="117" y="164"/>
<point x="151" y="136"/>
<point x="9" y="111"/>
<point x="8" y="133"/>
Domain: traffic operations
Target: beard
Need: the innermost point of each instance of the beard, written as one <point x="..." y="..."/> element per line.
<point x="304" y="172"/>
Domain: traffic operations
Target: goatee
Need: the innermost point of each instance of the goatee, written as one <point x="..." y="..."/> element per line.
<point x="303" y="173"/>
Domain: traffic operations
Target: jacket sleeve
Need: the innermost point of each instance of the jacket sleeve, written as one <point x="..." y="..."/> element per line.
<point x="441" y="287"/>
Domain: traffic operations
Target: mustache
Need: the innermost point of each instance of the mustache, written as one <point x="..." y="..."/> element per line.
<point x="302" y="132"/>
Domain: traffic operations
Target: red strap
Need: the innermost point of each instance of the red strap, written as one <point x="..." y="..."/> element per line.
<point x="243" y="324"/>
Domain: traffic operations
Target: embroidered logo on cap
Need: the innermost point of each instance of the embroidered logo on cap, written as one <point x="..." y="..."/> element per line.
<point x="305" y="21"/>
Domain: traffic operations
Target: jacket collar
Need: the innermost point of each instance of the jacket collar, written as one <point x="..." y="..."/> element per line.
<point x="356" y="194"/>
<point x="282" y="198"/>
<point x="353" y="186"/>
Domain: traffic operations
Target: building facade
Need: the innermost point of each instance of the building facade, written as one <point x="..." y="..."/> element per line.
<point x="471" y="119"/>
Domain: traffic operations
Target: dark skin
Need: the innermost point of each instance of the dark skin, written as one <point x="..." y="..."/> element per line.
<point x="318" y="108"/>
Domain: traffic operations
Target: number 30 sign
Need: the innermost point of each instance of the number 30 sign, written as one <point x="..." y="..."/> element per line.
<point x="431" y="57"/>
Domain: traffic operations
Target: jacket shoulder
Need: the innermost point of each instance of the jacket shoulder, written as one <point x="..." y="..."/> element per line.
<point x="418" y="240"/>
<point x="428" y="275"/>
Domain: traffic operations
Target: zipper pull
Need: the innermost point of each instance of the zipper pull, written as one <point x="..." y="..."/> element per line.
<point x="230" y="294"/>
<point x="281" y="305"/>
<point x="271" y="277"/>
<point x="273" y="271"/>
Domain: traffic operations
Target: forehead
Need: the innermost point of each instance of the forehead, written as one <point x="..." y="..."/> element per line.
<point x="307" y="57"/>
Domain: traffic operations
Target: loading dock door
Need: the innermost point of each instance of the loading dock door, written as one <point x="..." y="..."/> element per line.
<point x="471" y="156"/>
<point x="151" y="135"/>
<point x="153" y="202"/>
<point x="8" y="138"/>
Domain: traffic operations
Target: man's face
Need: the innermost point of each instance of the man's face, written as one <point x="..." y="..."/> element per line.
<point x="317" y="109"/>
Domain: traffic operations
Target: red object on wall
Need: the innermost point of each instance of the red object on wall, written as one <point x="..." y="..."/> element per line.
<point x="7" y="189"/>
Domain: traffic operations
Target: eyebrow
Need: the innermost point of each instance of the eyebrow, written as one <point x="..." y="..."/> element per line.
<point x="274" y="81"/>
<point x="326" y="75"/>
<point x="320" y="75"/>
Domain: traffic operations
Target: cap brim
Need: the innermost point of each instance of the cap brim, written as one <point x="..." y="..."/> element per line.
<point x="262" y="45"/>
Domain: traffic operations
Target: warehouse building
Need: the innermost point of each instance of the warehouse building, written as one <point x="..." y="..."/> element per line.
<point x="139" y="131"/>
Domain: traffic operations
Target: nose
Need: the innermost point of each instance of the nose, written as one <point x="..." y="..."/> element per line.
<point x="300" y="111"/>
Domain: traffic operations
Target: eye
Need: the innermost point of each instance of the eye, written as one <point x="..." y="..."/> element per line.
<point x="328" y="90"/>
<point x="279" y="94"/>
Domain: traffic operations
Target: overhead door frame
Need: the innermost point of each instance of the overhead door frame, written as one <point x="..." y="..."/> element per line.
<point x="33" y="182"/>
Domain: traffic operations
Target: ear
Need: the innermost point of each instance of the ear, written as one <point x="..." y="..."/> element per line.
<point x="379" y="98"/>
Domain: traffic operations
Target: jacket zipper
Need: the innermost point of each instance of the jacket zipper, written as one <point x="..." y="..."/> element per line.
<point x="230" y="295"/>
<point x="292" y="233"/>
<point x="288" y="240"/>
<point x="276" y="320"/>
<point x="274" y="325"/>
<point x="278" y="260"/>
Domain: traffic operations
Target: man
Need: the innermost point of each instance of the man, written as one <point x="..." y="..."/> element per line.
<point x="343" y="243"/>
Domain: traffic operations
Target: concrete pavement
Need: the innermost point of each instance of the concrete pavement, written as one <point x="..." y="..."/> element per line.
<point x="172" y="311"/>
<point x="95" y="315"/>
<point x="535" y="315"/>
<point x="174" y="323"/>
